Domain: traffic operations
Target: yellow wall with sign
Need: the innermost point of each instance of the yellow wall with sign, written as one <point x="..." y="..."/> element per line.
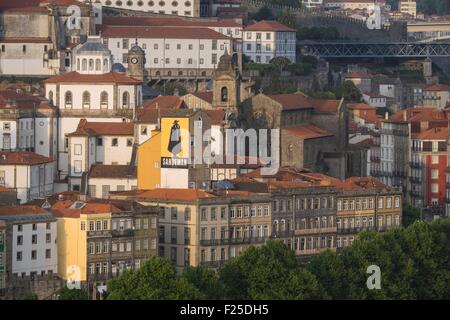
<point x="148" y="163"/>
<point x="166" y="128"/>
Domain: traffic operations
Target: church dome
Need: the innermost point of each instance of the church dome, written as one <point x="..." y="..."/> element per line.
<point x="118" y="67"/>
<point x="137" y="49"/>
<point x="225" y="62"/>
<point x="93" y="46"/>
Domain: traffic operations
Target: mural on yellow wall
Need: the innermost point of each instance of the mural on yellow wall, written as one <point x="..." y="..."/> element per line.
<point x="174" y="142"/>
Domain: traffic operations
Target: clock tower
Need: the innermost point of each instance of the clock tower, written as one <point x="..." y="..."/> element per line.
<point x="136" y="63"/>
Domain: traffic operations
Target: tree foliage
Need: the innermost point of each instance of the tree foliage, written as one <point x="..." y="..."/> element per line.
<point x="410" y="214"/>
<point x="414" y="264"/>
<point x="73" y="294"/>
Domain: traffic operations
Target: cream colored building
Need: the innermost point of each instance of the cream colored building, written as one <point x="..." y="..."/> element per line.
<point x="408" y="7"/>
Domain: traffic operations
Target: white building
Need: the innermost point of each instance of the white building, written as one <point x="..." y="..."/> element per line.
<point x="105" y="178"/>
<point x="92" y="92"/>
<point x="312" y="3"/>
<point x="31" y="248"/>
<point x="32" y="175"/>
<point x="170" y="51"/>
<point x="98" y="143"/>
<point x="375" y="100"/>
<point x="265" y="40"/>
<point x="189" y="8"/>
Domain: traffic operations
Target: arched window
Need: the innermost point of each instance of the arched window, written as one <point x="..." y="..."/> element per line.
<point x="86" y="100"/>
<point x="91" y="64"/>
<point x="126" y="100"/>
<point x="105" y="65"/>
<point x="68" y="99"/>
<point x="104" y="100"/>
<point x="84" y="65"/>
<point x="98" y="65"/>
<point x="224" y="94"/>
<point x="50" y="96"/>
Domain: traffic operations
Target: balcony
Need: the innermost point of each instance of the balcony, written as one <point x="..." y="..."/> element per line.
<point x="123" y="233"/>
<point x="213" y="264"/>
<point x="283" y="234"/>
<point x="308" y="252"/>
<point x="416" y="194"/>
<point x="416" y="165"/>
<point x="220" y="242"/>
<point x="418" y="180"/>
<point x="301" y="232"/>
<point x="354" y="230"/>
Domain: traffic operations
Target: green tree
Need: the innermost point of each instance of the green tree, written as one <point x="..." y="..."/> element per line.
<point x="410" y="214"/>
<point x="348" y="91"/>
<point x="281" y="63"/>
<point x="264" y="13"/>
<point x="267" y="272"/>
<point x="30" y="296"/>
<point x="155" y="280"/>
<point x="205" y="280"/>
<point x="288" y="18"/>
<point x="73" y="294"/>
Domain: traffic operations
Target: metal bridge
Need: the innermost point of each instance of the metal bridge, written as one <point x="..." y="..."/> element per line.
<point x="376" y="50"/>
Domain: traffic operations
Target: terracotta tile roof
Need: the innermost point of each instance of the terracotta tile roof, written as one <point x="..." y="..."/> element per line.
<point x="358" y="183"/>
<point x="22" y="158"/>
<point x="21" y="210"/>
<point x="150" y="115"/>
<point x="36" y="5"/>
<point x="437" y="87"/>
<point x="159" y="32"/>
<point x="292" y="101"/>
<point x="4" y="189"/>
<point x="164" y="102"/>
<point x="266" y="25"/>
<point x="419" y="114"/>
<point x="64" y="208"/>
<point x="359" y="106"/>
<point x="86" y="128"/>
<point x="205" y="96"/>
<point x="112" y="171"/>
<point x="167" y="194"/>
<point x="25" y="40"/>
<point x="217" y="116"/>
<point x="325" y="106"/>
<point x="358" y="75"/>
<point x="75" y="77"/>
<point x="433" y="134"/>
<point x="14" y="100"/>
<point x="307" y="131"/>
<point x="164" y="21"/>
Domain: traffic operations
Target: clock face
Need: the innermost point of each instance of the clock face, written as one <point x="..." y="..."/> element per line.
<point x="134" y="60"/>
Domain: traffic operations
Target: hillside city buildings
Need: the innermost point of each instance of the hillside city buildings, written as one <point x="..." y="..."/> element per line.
<point x="115" y="145"/>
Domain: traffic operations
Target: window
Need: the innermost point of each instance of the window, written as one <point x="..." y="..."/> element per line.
<point x="126" y="100"/>
<point x="174" y="213"/>
<point x="214" y="58"/>
<point x="224" y="94"/>
<point x="397" y="202"/>
<point x="435" y="174"/>
<point x="77" y="166"/>
<point x="388" y="202"/>
<point x="434" y="188"/>
<point x="48" y="238"/>
<point x="77" y="149"/>
<point x="19" y="240"/>
<point x="68" y="99"/>
<point x="33" y="255"/>
<point x="125" y="44"/>
<point x="19" y="256"/>
<point x="104" y="100"/>
<point x="114" y="142"/>
<point x="187" y="214"/>
<point x="203" y="215"/>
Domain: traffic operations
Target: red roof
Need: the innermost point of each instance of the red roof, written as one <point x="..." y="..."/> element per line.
<point x="433" y="134"/>
<point x="86" y="128"/>
<point x="217" y="116"/>
<point x="266" y="25"/>
<point x="292" y="101"/>
<point x="159" y="32"/>
<point x="22" y="158"/>
<point x="437" y="87"/>
<point x="165" y="21"/>
<point x="360" y="106"/>
<point x="65" y="208"/>
<point x="358" y="183"/>
<point x="168" y="194"/>
<point x="14" y="100"/>
<point x="21" y="210"/>
<point x="326" y="106"/>
<point x="75" y="77"/>
<point x="164" y="102"/>
<point x="205" y="96"/>
<point x="307" y="131"/>
<point x="112" y="171"/>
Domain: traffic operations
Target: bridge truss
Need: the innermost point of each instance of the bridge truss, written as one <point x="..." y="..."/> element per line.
<point x="376" y="50"/>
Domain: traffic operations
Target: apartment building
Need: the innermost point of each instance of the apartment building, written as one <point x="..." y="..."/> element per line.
<point x="206" y="228"/>
<point x="170" y="51"/>
<point x="103" y="178"/>
<point x="265" y="40"/>
<point x="408" y="7"/>
<point x="29" y="249"/>
<point x="365" y="204"/>
<point x="188" y="8"/>
<point x="100" y="239"/>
